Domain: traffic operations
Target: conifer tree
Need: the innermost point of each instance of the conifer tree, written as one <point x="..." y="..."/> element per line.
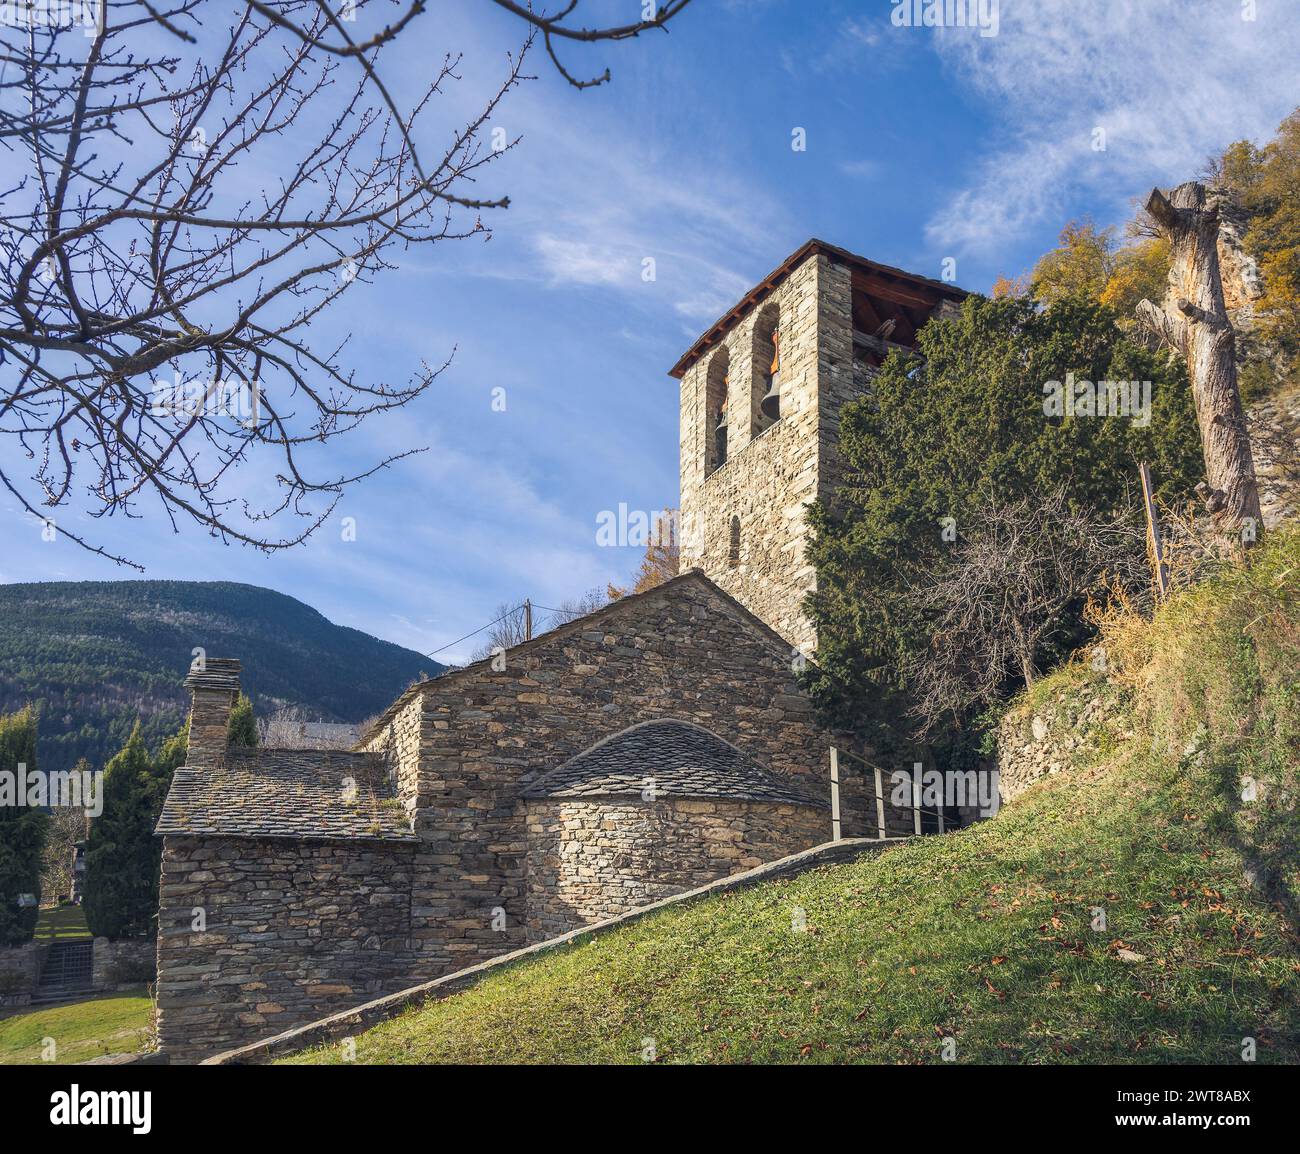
<point x="241" y="730"/>
<point x="121" y="894"/>
<point x="938" y="436"/>
<point x="22" y="829"/>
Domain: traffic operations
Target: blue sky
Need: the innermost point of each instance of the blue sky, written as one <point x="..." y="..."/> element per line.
<point x="922" y="144"/>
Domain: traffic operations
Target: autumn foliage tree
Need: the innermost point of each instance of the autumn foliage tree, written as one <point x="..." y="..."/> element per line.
<point x="1265" y="182"/>
<point x="662" y="559"/>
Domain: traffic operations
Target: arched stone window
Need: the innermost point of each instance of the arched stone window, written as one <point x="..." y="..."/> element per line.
<point x="765" y="390"/>
<point x="733" y="545"/>
<point x="715" y="411"/>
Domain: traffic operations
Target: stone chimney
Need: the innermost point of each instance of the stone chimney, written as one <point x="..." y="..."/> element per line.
<point x="213" y="683"/>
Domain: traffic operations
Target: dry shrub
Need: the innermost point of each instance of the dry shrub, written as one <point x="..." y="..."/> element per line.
<point x="1219" y="652"/>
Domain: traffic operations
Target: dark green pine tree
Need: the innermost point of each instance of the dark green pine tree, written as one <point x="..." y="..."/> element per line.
<point x="121" y="895"/>
<point x="22" y="829"/>
<point x="242" y="727"/>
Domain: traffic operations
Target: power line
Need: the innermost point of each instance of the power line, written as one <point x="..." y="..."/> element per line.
<point x="514" y="609"/>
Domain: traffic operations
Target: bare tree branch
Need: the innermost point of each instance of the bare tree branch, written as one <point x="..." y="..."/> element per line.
<point x="1000" y="603"/>
<point x="188" y="188"/>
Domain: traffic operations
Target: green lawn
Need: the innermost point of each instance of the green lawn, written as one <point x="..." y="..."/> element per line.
<point x="64" y="923"/>
<point x="984" y="936"/>
<point x="114" y="1024"/>
<point x="987" y="942"/>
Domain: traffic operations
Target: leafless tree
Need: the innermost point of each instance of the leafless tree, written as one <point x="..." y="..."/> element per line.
<point x="293" y="727"/>
<point x="508" y="630"/>
<point x="513" y="625"/>
<point x="186" y="189"/>
<point x="1000" y="603"/>
<point x="1195" y="324"/>
<point x="67" y="826"/>
<point x="571" y="608"/>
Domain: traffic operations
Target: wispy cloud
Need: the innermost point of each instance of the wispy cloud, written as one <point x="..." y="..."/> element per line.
<point x="861" y="169"/>
<point x="1161" y="85"/>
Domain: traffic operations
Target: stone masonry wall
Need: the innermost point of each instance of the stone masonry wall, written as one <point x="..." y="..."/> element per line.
<point x="681" y="651"/>
<point x="20" y="971"/>
<point x="399" y="742"/>
<point x="590" y="860"/>
<point x="765" y="481"/>
<point x="768" y="480"/>
<point x="123" y="964"/>
<point x="1039" y="738"/>
<point x="294" y="930"/>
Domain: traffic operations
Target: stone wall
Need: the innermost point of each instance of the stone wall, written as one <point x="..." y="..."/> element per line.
<point x="1038" y="738"/>
<point x="115" y="965"/>
<point x="294" y="929"/>
<point x="680" y="651"/>
<point x="766" y="480"/>
<point x="123" y="964"/>
<point x="352" y="1022"/>
<point x="591" y="860"/>
<point x="20" y="971"/>
<point x="399" y="741"/>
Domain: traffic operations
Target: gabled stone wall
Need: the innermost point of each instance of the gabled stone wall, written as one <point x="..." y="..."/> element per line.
<point x="682" y="650"/>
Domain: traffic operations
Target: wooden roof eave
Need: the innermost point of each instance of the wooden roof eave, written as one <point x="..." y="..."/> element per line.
<point x="909" y="286"/>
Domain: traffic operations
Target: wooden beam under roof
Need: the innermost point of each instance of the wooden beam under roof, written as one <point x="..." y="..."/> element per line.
<point x="894" y="289"/>
<point x="894" y="284"/>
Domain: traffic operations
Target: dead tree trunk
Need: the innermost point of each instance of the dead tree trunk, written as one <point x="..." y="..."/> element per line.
<point x="1197" y="326"/>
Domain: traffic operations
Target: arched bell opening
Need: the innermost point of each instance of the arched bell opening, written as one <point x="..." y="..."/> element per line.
<point x="766" y="390"/>
<point x="717" y="384"/>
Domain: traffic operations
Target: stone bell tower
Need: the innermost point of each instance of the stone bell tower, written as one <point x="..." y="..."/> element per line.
<point x="761" y="393"/>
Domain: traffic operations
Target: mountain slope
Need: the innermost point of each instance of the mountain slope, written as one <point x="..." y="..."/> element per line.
<point x="94" y="654"/>
<point x="987" y="938"/>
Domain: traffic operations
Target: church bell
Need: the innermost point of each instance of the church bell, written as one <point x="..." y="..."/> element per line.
<point x="770" y="405"/>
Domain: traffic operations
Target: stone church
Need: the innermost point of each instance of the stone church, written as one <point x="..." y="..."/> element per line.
<point x="654" y="745"/>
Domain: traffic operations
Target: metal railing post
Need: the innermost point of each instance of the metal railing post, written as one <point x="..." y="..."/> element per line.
<point x="835" y="794"/>
<point x="880" y="804"/>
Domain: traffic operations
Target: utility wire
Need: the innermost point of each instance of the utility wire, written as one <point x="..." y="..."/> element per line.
<point x="512" y="609"/>
<point x="480" y="629"/>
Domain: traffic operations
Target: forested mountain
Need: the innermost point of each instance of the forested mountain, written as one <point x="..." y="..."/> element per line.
<point x="94" y="655"/>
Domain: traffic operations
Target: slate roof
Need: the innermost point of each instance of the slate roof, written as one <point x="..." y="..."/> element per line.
<point x="685" y="761"/>
<point x="295" y="793"/>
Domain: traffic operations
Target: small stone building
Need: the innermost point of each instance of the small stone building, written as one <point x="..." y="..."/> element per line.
<point x="656" y="744"/>
<point x="648" y="747"/>
<point x="285" y="892"/>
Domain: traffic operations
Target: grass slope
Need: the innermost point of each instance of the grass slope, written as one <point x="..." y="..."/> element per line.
<point x="985" y="936"/>
<point x="92" y="655"/>
<point x="62" y="923"/>
<point x="115" y="1024"/>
